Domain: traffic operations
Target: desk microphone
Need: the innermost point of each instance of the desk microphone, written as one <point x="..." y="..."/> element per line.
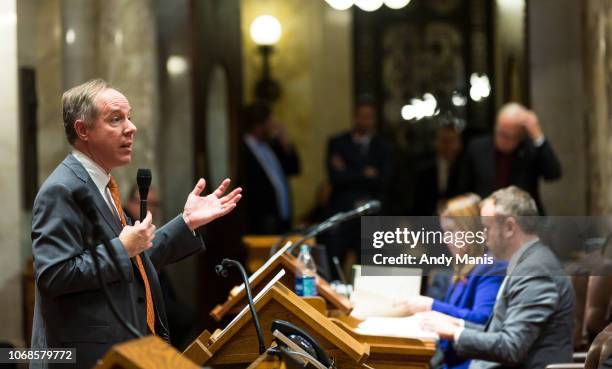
<point x="368" y="208"/>
<point x="222" y="270"/>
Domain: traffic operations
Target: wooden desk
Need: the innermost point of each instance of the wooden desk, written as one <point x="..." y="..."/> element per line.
<point x="391" y="352"/>
<point x="258" y="248"/>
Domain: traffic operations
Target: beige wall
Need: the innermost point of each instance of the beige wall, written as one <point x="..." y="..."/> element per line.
<point x="313" y="64"/>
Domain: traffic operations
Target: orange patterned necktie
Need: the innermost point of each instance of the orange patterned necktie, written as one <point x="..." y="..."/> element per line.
<point x="114" y="190"/>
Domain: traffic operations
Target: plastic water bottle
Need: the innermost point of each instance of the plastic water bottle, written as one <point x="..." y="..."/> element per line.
<point x="305" y="278"/>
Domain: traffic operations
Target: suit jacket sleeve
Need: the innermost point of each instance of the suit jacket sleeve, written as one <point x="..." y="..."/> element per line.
<point x="547" y="161"/>
<point x="484" y="300"/>
<point x="531" y="301"/>
<point x="474" y="326"/>
<point x="173" y="242"/>
<point x="63" y="264"/>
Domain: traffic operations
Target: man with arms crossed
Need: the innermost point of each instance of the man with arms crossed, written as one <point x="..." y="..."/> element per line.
<point x="71" y="310"/>
<point x="533" y="317"/>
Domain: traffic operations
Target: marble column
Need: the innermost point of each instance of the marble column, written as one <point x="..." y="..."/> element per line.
<point x="79" y="53"/>
<point x="66" y="57"/>
<point x="127" y="58"/>
<point x="174" y="29"/>
<point x="50" y="86"/>
<point x="10" y="193"/>
<point x="597" y="41"/>
<point x="557" y="96"/>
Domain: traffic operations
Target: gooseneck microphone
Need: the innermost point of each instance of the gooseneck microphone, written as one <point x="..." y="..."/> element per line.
<point x="143" y="179"/>
<point x="84" y="200"/>
<point x="371" y="207"/>
<point x="222" y="270"/>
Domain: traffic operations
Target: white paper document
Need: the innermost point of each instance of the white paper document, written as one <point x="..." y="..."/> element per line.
<point x="407" y="327"/>
<point x="378" y="296"/>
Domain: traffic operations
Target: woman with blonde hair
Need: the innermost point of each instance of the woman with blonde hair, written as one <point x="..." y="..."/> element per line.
<point x="474" y="288"/>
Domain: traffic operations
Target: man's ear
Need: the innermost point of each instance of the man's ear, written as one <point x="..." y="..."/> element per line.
<point x="81" y="130"/>
<point x="510" y="226"/>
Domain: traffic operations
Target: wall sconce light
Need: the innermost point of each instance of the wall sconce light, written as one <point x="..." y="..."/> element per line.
<point x="396" y="4"/>
<point x="340" y="4"/>
<point x="369" y="5"/>
<point x="266" y="30"/>
<point x="480" y="87"/>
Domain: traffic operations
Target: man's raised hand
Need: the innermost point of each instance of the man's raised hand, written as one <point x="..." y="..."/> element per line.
<point x="201" y="210"/>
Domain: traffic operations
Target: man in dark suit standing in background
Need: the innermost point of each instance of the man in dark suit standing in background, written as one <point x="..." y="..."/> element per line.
<point x="436" y="177"/>
<point x="70" y="309"/>
<point x="517" y="154"/>
<point x="359" y="166"/>
<point x="268" y="160"/>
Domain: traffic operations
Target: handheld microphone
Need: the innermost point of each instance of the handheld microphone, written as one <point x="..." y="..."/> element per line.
<point x="143" y="179"/>
<point x="83" y="198"/>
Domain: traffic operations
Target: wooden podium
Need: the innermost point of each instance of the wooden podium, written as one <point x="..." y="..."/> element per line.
<point x="150" y="352"/>
<point x="281" y="260"/>
<point x="237" y="345"/>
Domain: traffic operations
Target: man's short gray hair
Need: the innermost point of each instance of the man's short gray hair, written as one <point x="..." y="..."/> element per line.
<point x="511" y="109"/>
<point x="514" y="202"/>
<point x="79" y="103"/>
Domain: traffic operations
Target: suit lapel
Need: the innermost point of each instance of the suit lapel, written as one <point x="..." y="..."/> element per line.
<point x="101" y="205"/>
<point x="506" y="281"/>
<point x="103" y="208"/>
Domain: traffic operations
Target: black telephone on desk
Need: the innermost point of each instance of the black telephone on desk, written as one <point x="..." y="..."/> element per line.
<point x="303" y="340"/>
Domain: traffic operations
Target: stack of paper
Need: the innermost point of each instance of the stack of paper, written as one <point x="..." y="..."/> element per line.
<point x="408" y="327"/>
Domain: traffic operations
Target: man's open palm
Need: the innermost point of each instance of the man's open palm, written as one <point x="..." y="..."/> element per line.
<point x="201" y="210"/>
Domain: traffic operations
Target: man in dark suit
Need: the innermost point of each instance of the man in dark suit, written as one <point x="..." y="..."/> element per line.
<point x="436" y="178"/>
<point x="518" y="154"/>
<point x="268" y="160"/>
<point x="359" y="166"/>
<point x="70" y="308"/>
<point x="533" y="316"/>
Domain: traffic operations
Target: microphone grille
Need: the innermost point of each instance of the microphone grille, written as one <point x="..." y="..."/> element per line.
<point x="144" y="176"/>
<point x="143" y="180"/>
